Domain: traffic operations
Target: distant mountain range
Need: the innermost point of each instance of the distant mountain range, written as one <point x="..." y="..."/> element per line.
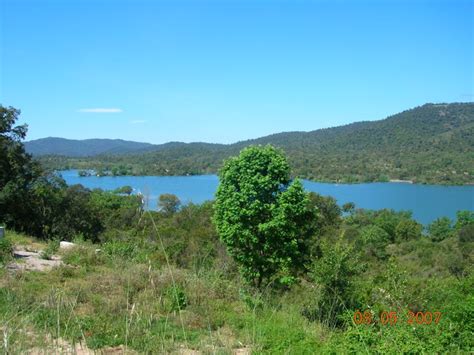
<point x="433" y="143"/>
<point x="83" y="148"/>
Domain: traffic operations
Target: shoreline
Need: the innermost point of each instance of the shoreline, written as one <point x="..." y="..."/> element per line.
<point x="390" y="181"/>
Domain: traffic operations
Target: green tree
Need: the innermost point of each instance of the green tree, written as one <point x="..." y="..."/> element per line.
<point x="348" y="207"/>
<point x="329" y="213"/>
<point x="127" y="190"/>
<point x="407" y="229"/>
<point x="440" y="229"/>
<point x="373" y="240"/>
<point x="388" y="220"/>
<point x="466" y="234"/>
<point x="465" y="230"/>
<point x="168" y="203"/>
<point x="79" y="216"/>
<point x="464" y="218"/>
<point x="34" y="201"/>
<point x="115" y="211"/>
<point x="17" y="172"/>
<point x="261" y="215"/>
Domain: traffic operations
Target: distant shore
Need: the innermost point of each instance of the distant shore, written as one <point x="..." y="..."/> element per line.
<point x="401" y="181"/>
<point x="92" y="173"/>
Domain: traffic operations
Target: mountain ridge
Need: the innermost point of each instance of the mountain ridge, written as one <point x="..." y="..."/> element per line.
<point x="82" y="147"/>
<point x="433" y="143"/>
<point x="31" y="146"/>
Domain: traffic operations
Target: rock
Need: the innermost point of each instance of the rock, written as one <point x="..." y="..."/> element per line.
<point x="27" y="260"/>
<point x="66" y="245"/>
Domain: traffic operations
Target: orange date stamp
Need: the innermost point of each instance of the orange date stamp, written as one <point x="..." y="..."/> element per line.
<point x="392" y="318"/>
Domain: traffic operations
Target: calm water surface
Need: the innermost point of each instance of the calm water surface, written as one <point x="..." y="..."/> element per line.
<point x="427" y="202"/>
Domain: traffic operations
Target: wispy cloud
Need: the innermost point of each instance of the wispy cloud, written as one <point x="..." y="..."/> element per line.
<point x="100" y="110"/>
<point x="137" y="121"/>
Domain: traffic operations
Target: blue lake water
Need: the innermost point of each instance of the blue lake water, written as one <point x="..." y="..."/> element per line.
<point x="427" y="202"/>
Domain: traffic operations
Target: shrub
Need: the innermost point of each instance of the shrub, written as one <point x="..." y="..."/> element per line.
<point x="84" y="256"/>
<point x="51" y="248"/>
<point x="407" y="229"/>
<point x="6" y="250"/>
<point x="168" y="203"/>
<point x="463" y="219"/>
<point x="440" y="229"/>
<point x="373" y="241"/>
<point x="335" y="272"/>
<point x="175" y="298"/>
<point x="466" y="234"/>
<point x="388" y="220"/>
<point x="120" y="249"/>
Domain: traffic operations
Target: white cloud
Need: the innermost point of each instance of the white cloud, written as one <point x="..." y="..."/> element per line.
<point x="100" y="110"/>
<point x="137" y="121"/>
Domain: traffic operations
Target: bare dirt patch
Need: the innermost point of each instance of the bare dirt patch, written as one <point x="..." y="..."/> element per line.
<point x="32" y="261"/>
<point x="61" y="346"/>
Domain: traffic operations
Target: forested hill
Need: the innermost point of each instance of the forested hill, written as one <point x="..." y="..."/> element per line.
<point x="433" y="143"/>
<point x="82" y="148"/>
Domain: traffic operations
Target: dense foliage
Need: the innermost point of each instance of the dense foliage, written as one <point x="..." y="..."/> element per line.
<point x="17" y="170"/>
<point x="433" y="143"/>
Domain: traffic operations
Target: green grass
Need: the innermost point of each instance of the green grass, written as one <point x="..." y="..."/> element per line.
<point x="107" y="301"/>
<point x="116" y="296"/>
<point x="23" y="240"/>
<point x="6" y="251"/>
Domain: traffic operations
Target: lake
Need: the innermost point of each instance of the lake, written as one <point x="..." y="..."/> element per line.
<point x="427" y="202"/>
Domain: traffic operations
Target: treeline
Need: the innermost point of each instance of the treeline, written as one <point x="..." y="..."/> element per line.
<point x="41" y="204"/>
<point x="428" y="144"/>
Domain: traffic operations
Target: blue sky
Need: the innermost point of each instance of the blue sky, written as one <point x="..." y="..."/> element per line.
<point x="223" y="71"/>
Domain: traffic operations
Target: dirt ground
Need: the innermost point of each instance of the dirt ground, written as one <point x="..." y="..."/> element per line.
<point x="32" y="261"/>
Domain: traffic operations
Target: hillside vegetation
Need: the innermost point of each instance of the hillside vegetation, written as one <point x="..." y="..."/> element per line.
<point x="266" y="268"/>
<point x="127" y="295"/>
<point x="433" y="143"/>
